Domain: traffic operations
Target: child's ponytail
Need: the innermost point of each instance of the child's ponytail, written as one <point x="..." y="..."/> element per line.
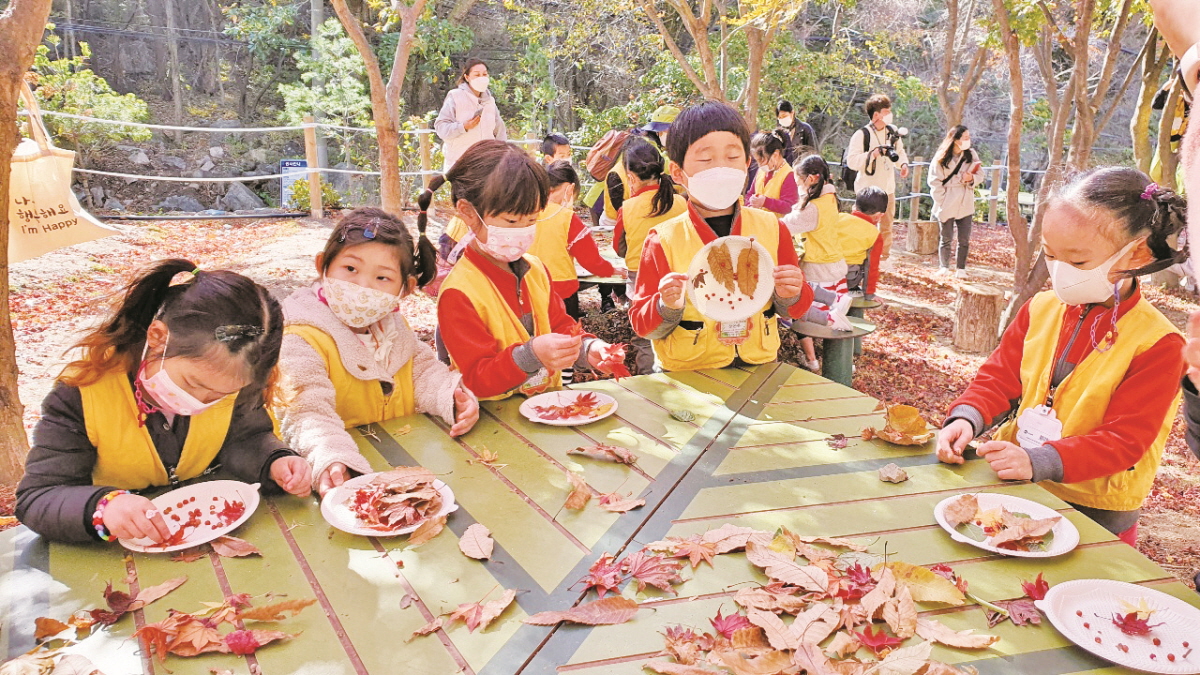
<point x="1168" y="222"/>
<point x="664" y="199"/>
<point x="646" y="162"/>
<point x="814" y="165"/>
<point x="425" y="259"/>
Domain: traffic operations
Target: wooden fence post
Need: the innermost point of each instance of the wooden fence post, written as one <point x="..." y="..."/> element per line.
<point x="314" y="176"/>
<point x="425" y="149"/>
<point x="914" y="204"/>
<point x="994" y="199"/>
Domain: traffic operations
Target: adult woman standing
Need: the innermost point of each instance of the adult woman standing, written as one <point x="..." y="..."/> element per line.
<point x="952" y="178"/>
<point x="469" y="114"/>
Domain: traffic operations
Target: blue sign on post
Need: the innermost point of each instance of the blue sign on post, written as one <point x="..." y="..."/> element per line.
<point x="293" y="170"/>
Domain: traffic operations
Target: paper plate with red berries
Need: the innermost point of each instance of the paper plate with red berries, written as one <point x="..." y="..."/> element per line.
<point x="731" y="279"/>
<point x="1006" y="524"/>
<point x="198" y="513"/>
<point x="568" y="408"/>
<point x="1127" y="624"/>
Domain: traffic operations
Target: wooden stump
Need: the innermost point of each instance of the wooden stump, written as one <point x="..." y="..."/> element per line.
<point x="1165" y="278"/>
<point x="977" y="311"/>
<point x="922" y="237"/>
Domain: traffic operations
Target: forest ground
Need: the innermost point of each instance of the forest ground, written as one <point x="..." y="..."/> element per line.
<point x="908" y="359"/>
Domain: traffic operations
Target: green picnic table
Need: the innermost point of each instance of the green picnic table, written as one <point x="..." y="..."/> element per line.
<point x="755" y="454"/>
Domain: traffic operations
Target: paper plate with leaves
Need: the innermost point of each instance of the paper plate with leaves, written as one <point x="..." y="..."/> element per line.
<point x="731" y="279"/>
<point x="1006" y="524"/>
<point x="198" y="513"/>
<point x="1127" y="624"/>
<point x="389" y="503"/>
<point x="568" y="408"/>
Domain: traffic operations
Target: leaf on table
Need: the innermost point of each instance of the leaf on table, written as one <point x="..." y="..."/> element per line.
<point x="947" y="572"/>
<point x="603" y="612"/>
<point x="807" y="577"/>
<point x="900" y="613"/>
<point x="402" y="431"/>
<point x="433" y="626"/>
<point x="837" y="441"/>
<point x="761" y="556"/>
<point x="580" y="494"/>
<point x="668" y="668"/>
<point x="274" y="612"/>
<point x="1036" y="589"/>
<point x="243" y="642"/>
<point x="480" y="614"/>
<point x="903" y="426"/>
<point x="696" y="551"/>
<point x="729" y="538"/>
<point x="926" y="585"/>
<point x="427" y="530"/>
<point x="685" y="645"/>
<point x="769" y="663"/>
<point x="776" y="631"/>
<point x="770" y="600"/>
<point x="811" y="660"/>
<point x="829" y="541"/>
<point x="1017" y="528"/>
<point x="730" y="624"/>
<point x="75" y="664"/>
<point x="604" y="575"/>
<point x="486" y="458"/>
<point x="842" y="645"/>
<point x="1021" y="612"/>
<point x="618" y="503"/>
<point x="149" y="595"/>
<point x="30" y="664"/>
<point x="934" y="631"/>
<point x="188" y="555"/>
<point x="652" y="570"/>
<point x="45" y="627"/>
<point x="815" y="624"/>
<point x="608" y="453"/>
<point x="939" y="668"/>
<point x="232" y="547"/>
<point x="904" y="661"/>
<point x="892" y="473"/>
<point x="477" y="542"/>
<point x="961" y="510"/>
<point x="884" y="590"/>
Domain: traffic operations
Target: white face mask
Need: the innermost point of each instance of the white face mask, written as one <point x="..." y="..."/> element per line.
<point x="888" y="118"/>
<point x="964" y="145"/>
<point x="717" y="188"/>
<point x="786" y="121"/>
<point x="1083" y="287"/>
<point x="354" y="305"/>
<point x="169" y="396"/>
<point x="479" y="84"/>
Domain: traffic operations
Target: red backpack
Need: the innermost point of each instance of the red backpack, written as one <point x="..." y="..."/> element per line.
<point x="603" y="155"/>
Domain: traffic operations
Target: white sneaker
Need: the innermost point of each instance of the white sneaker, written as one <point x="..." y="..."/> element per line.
<point x="943" y="271"/>
<point x="960" y="274"/>
<point x="840" y="309"/>
<point x="814" y="366"/>
<point x="887" y="265"/>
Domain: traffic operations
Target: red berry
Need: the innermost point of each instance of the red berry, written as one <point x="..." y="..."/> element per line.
<point x="1087" y="625"/>
<point x="1157" y="642"/>
<point x="1079" y="612"/>
<point x="1098" y="640"/>
<point x="1171" y="657"/>
<point x="1124" y="648"/>
<point x="1185" y="644"/>
<point x="1153" y="657"/>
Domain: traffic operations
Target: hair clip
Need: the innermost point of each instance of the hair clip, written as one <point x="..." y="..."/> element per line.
<point x="196" y="272"/>
<point x="369" y="233"/>
<point x="1150" y="192"/>
<point x="236" y="332"/>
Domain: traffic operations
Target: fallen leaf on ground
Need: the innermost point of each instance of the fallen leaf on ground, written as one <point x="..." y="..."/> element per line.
<point x="900" y="613"/>
<point x="934" y="631"/>
<point x="274" y="612"/>
<point x="652" y="570"/>
<point x="45" y="627"/>
<point x="776" y="631"/>
<point x="892" y="473"/>
<point x="604" y="575"/>
<point x="473" y="615"/>
<point x="427" y="530"/>
<point x="188" y="555"/>
<point x="617" y="503"/>
<point x="903" y="426"/>
<point x="243" y="642"/>
<point x="604" y="612"/>
<point x="730" y="624"/>
<point x="477" y="542"/>
<point x="763" y="664"/>
<point x="926" y="585"/>
<point x="904" y="661"/>
<point x="232" y="547"/>
<point x="608" y="453"/>
<point x="1021" y="612"/>
<point x="1036" y="589"/>
<point x="580" y="495"/>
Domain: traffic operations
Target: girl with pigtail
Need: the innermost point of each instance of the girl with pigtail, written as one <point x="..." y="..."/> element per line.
<point x="1084" y="384"/>
<point x="172" y="386"/>
<point x="510" y="330"/>
<point x="774" y="187"/>
<point x="349" y="358"/>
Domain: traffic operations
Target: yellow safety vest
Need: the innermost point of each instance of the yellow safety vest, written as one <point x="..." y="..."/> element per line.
<point x="358" y="401"/>
<point x="503" y="324"/>
<point x="619" y="169"/>
<point x="551" y="243"/>
<point x="855" y="236"/>
<point x="637" y="222"/>
<point x="823" y="245"/>
<point x="685" y="349"/>
<point x="1081" y="401"/>
<point x="125" y="454"/>
<point x="774" y="187"/>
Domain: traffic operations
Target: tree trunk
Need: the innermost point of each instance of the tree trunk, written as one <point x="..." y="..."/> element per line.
<point x="756" y="40"/>
<point x="1152" y="64"/>
<point x="1168" y="158"/>
<point x="176" y="76"/>
<point x="1017" y="226"/>
<point x="977" y="311"/>
<point x="21" y="27"/>
<point x="922" y="237"/>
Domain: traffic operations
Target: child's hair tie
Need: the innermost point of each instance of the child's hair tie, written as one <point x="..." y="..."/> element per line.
<point x="1150" y="192"/>
<point x="196" y="272"/>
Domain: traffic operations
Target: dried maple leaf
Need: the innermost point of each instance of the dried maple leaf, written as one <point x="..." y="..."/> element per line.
<point x="232" y="547"/>
<point x="482" y="614"/>
<point x="45" y="627"/>
<point x="946" y="572"/>
<point x="274" y="612"/>
<point x="1036" y="589"/>
<point x="837" y="441"/>
<point x="878" y="642"/>
<point x="685" y="645"/>
<point x="477" y="542"/>
<point x="400" y="497"/>
<point x="244" y="642"/>
<point x="427" y="530"/>
<point x="586" y="404"/>
<point x="580" y="495"/>
<point x="652" y="570"/>
<point x="612" y="360"/>
<point x="696" y="551"/>
<point x="903" y="426"/>
<point x="617" y="503"/>
<point x="1017" y="528"/>
<point x="603" y="612"/>
<point x="892" y="473"/>
<point x="608" y="453"/>
<point x="934" y="631"/>
<point x="961" y="510"/>
<point x="1131" y="624"/>
<point x="1021" y="612"/>
<point x="604" y="575"/>
<point x="726" y="626"/>
<point x="486" y="458"/>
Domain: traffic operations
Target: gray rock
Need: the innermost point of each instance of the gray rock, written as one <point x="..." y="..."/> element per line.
<point x="241" y="198"/>
<point x="259" y="155"/>
<point x="173" y="162"/>
<point x="114" y="205"/>
<point x="207" y="165"/>
<point x="293" y="149"/>
<point x="128" y="148"/>
<point x="139" y="157"/>
<point x="97" y="195"/>
<point x="218" y="137"/>
<point x="267" y="169"/>
<point x="180" y="203"/>
<point x="216" y="152"/>
<point x="341" y="181"/>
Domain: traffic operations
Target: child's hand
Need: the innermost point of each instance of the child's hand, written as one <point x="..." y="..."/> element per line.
<point x="789" y="281"/>
<point x="467" y="407"/>
<point x="1009" y="461"/>
<point x="756" y="201"/>
<point x="292" y="473"/>
<point x="671" y="289"/>
<point x="133" y="516"/>
<point x="334" y="475"/>
<point x="953" y="439"/>
<point x="555" y="350"/>
<point x="1191" y="350"/>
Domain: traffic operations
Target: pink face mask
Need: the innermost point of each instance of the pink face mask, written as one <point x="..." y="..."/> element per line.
<point x="171" y="397"/>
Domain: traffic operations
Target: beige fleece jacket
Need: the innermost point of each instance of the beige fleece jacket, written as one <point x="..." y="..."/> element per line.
<point x="309" y="422"/>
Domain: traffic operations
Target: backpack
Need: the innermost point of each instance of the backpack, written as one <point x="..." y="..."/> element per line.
<point x="850" y="175"/>
<point x="603" y="155"/>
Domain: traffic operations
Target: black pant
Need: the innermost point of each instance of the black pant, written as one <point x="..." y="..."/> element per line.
<point x="963" y="225"/>
<point x="572" y="304"/>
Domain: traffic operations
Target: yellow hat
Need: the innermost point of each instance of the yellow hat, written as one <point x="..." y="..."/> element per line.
<point x="662" y="118"/>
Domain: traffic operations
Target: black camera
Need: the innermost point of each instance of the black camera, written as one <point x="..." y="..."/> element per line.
<point x="894" y="135"/>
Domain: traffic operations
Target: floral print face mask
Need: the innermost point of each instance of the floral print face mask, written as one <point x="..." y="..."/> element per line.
<point x="357" y="306"/>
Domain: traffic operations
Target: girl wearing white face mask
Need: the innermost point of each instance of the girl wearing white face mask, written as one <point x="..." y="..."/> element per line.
<point x="468" y="115"/>
<point x="503" y="326"/>
<point x="953" y="174"/>
<point x="349" y="357"/>
<point x="166" y="389"/>
<point x="1086" y="378"/>
<point x="709" y="149"/>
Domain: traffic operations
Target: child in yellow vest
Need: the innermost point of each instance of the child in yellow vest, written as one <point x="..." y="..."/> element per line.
<point x="709" y="147"/>
<point x="510" y="331"/>
<point x="1085" y="382"/>
<point x="170" y="387"/>
<point x="652" y="201"/>
<point x="562" y="238"/>
<point x="774" y="188"/>
<point x="349" y="358"/>
<point x="858" y="234"/>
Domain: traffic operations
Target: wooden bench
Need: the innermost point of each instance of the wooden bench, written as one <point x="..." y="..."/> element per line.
<point x="838" y="361"/>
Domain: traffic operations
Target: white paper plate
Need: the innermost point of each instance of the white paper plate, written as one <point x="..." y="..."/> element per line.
<point x="1066" y="537"/>
<point x="335" y="509"/>
<point x="207" y="496"/>
<point x="714" y="300"/>
<point x="565" y="397"/>
<point x="1091" y="597"/>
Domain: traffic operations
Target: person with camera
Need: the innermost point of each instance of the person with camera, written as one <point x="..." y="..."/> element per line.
<point x="874" y="152"/>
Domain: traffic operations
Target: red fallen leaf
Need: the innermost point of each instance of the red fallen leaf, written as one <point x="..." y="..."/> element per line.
<point x="1021" y="612"/>
<point x="604" y="575"/>
<point x="877" y="642"/>
<point x="685" y="645"/>
<point x="946" y="572"/>
<point x="231" y="512"/>
<point x="857" y="582"/>
<point x="604" y="612"/>
<point x="471" y="614"/>
<point x="612" y="360"/>
<point x="652" y="570"/>
<point x="187" y="555"/>
<point x="232" y="547"/>
<point x="580" y="494"/>
<point x="1130" y="624"/>
<point x="609" y="453"/>
<point x="584" y="405"/>
<point x="837" y="441"/>
<point x="1036" y="589"/>
<point x="696" y="551"/>
<point x="241" y="642"/>
<point x="728" y="625"/>
<point x="576" y="330"/>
